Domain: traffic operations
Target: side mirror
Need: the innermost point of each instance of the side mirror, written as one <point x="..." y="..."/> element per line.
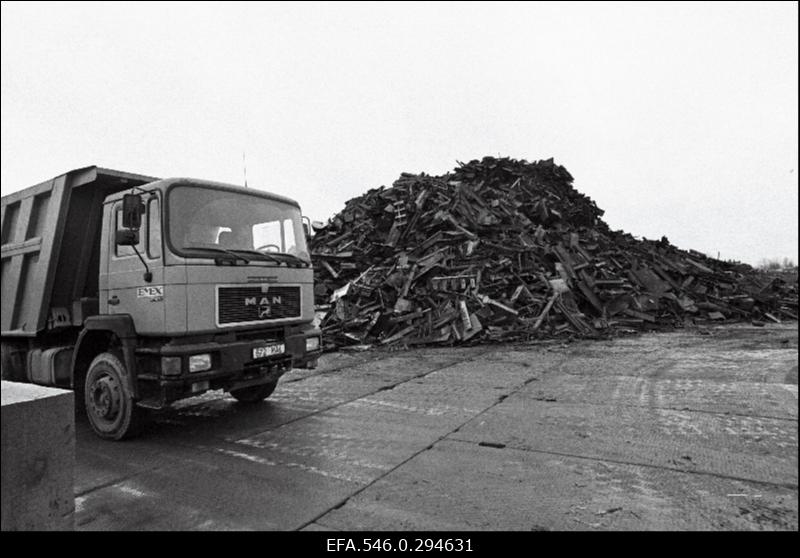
<point x="132" y="209"/>
<point x="127" y="237"/>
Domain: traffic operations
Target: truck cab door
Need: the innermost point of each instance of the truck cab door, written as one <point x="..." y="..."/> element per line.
<point x="128" y="290"/>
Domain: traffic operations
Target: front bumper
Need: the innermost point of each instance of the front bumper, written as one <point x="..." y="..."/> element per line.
<point x="233" y="366"/>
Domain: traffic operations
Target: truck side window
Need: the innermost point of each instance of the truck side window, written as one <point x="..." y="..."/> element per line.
<point x="153" y="229"/>
<point x="124" y="251"/>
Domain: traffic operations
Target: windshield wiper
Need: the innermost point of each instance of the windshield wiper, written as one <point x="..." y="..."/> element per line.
<point x="257" y="253"/>
<point x="223" y="250"/>
<point x="277" y="257"/>
<point x="291" y="257"/>
<point x="272" y="256"/>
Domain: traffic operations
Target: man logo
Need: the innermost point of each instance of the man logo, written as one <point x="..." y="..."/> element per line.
<point x="264" y="304"/>
<point x="264" y="300"/>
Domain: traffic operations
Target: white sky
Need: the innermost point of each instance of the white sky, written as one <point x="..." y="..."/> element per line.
<point x="677" y="119"/>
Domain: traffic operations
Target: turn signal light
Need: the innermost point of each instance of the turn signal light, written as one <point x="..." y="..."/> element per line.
<point x="171" y="366"/>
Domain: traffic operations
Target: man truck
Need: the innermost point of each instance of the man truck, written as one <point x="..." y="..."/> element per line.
<point x="137" y="292"/>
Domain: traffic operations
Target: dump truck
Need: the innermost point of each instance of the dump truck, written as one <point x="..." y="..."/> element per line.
<point x="137" y="292"/>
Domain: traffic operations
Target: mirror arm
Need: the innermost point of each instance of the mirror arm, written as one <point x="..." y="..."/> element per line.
<point x="148" y="276"/>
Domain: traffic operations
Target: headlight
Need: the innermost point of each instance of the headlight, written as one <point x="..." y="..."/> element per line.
<point x="198" y="363"/>
<point x="312" y="344"/>
<point x="171" y="366"/>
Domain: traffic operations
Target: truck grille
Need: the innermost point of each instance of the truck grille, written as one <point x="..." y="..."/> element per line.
<point x="258" y="303"/>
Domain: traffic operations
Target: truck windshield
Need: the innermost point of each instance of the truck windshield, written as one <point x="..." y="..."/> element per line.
<point x="223" y="221"/>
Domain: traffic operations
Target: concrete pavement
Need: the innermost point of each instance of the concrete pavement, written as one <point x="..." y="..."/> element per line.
<point x="661" y="431"/>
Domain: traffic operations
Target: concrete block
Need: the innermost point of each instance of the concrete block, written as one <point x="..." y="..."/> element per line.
<point x="38" y="458"/>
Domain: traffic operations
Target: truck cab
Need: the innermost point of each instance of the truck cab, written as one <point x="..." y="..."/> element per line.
<point x="199" y="286"/>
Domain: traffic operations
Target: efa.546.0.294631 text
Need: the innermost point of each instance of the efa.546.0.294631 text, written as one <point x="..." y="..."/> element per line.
<point x="399" y="545"/>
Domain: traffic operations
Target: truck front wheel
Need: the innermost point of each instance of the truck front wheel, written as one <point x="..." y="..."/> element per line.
<point x="254" y="394"/>
<point x="109" y="403"/>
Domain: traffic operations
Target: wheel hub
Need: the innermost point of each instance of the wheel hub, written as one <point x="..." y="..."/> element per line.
<point x="106" y="397"/>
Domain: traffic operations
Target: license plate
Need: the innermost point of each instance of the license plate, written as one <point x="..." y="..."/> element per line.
<point x="269" y="350"/>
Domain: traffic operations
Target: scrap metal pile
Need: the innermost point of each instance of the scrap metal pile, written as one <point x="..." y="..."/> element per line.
<point x="502" y="250"/>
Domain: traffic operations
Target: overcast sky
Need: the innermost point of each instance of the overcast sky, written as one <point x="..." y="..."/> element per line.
<point x="677" y="119"/>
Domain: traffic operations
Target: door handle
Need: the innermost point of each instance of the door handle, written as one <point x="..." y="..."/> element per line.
<point x="114" y="300"/>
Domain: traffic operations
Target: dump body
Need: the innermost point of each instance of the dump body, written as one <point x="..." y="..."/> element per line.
<point x="50" y="248"/>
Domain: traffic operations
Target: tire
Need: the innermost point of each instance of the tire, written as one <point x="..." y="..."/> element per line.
<point x="254" y="394"/>
<point x="9" y="365"/>
<point x="109" y="403"/>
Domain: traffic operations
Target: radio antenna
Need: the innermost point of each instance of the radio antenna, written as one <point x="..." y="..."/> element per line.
<point x="244" y="165"/>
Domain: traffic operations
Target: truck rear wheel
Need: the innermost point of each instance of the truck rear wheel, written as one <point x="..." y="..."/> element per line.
<point x="254" y="394"/>
<point x="109" y="403"/>
<point x="12" y="360"/>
